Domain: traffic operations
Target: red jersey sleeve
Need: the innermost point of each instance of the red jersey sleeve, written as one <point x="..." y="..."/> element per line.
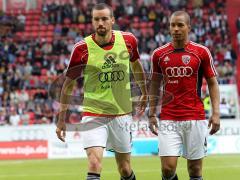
<point x="78" y="59"/>
<point x="132" y="45"/>
<point x="207" y="64"/>
<point x="155" y="68"/>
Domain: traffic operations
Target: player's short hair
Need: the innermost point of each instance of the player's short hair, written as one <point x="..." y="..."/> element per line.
<point x="102" y="6"/>
<point x="182" y="13"/>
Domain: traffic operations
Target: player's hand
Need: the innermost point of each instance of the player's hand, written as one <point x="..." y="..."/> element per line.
<point x="153" y="124"/>
<point x="214" y="124"/>
<point x="142" y="104"/>
<point x="61" y="130"/>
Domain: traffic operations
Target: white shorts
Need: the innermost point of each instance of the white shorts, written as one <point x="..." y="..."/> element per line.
<point x="111" y="133"/>
<point x="186" y="138"/>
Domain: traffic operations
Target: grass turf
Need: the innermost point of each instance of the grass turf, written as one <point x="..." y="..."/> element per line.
<point x="216" y="167"/>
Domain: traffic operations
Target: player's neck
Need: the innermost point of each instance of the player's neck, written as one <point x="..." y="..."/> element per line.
<point x="101" y="40"/>
<point x="179" y="44"/>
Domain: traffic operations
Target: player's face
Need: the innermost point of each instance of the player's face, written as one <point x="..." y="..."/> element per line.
<point x="179" y="28"/>
<point x="102" y="21"/>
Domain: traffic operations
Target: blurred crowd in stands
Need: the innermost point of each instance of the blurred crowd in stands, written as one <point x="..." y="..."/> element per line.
<point x="238" y="32"/>
<point x="36" y="47"/>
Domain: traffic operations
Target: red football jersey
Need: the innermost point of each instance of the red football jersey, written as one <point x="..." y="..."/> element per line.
<point x="183" y="71"/>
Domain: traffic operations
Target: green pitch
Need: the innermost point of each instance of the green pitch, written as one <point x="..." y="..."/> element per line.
<point x="217" y="167"/>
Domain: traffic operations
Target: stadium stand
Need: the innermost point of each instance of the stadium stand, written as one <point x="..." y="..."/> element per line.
<point x="36" y="48"/>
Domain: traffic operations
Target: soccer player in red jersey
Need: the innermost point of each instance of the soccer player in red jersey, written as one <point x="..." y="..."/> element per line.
<point x="177" y="69"/>
<point x="106" y="56"/>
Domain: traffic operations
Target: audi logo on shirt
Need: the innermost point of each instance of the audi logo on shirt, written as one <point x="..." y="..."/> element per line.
<point x="111" y="76"/>
<point x="182" y="71"/>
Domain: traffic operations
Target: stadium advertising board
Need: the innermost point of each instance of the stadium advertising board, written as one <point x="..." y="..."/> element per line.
<point x="25" y="133"/>
<point x="229" y="128"/>
<point x="229" y="93"/>
<point x="40" y="141"/>
<point x="69" y="149"/>
<point x="228" y="102"/>
<point x="72" y="148"/>
<point x="223" y="144"/>
<point x="227" y="140"/>
<point x="24" y="150"/>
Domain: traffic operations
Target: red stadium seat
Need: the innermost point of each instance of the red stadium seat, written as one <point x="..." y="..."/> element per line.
<point x="136" y="19"/>
<point x="74" y="25"/>
<point x="36" y="17"/>
<point x="35" y="22"/>
<point x="20" y="59"/>
<point x="23" y="53"/>
<point x="28" y="23"/>
<point x="143" y="25"/>
<point x="89" y="26"/>
<point x="49" y="39"/>
<point x="49" y="33"/>
<point x="34" y="34"/>
<point x="135" y="25"/>
<point x="28" y="28"/>
<point x="81" y="26"/>
<point x="50" y="27"/>
<point x="42" y="34"/>
<point x="66" y="21"/>
<point x="35" y="28"/>
<point x="19" y="34"/>
<point x="27" y="34"/>
<point x="43" y="28"/>
<point x="29" y="18"/>
<point x="31" y="12"/>
<point x="38" y="12"/>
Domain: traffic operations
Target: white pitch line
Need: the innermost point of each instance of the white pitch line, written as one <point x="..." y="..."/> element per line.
<point x="11" y="162"/>
<point x="111" y="172"/>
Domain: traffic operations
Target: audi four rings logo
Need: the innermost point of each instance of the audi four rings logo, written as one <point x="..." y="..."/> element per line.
<point x="111" y="76"/>
<point x="181" y="71"/>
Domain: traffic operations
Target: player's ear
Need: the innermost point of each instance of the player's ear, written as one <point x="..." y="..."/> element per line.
<point x="113" y="20"/>
<point x="189" y="28"/>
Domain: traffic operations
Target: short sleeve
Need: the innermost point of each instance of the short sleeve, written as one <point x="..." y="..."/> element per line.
<point x="207" y="64"/>
<point x="78" y="60"/>
<point x="132" y="45"/>
<point x="155" y="68"/>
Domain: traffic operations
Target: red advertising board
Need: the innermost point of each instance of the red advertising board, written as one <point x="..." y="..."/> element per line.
<point x="24" y="150"/>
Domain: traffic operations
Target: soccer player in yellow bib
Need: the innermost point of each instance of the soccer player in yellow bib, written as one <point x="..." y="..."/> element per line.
<point x="106" y="57"/>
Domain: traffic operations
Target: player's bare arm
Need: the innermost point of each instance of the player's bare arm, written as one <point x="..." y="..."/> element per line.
<point x="153" y="101"/>
<point x="214" y="121"/>
<point x="140" y="79"/>
<point x="64" y="99"/>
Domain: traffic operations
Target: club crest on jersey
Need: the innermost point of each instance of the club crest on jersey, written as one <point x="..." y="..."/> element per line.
<point x="185" y="59"/>
<point x="166" y="59"/>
